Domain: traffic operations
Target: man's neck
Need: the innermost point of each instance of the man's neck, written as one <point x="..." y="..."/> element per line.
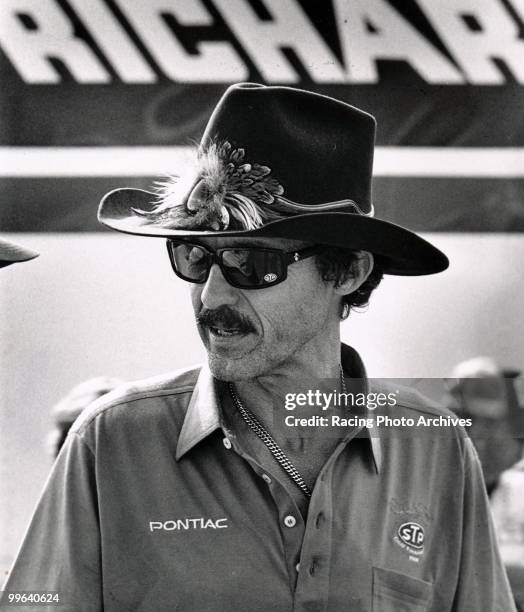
<point x="301" y="388"/>
<point x="309" y="369"/>
<point x="307" y="447"/>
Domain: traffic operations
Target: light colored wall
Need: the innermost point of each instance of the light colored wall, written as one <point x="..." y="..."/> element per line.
<point x="109" y="304"/>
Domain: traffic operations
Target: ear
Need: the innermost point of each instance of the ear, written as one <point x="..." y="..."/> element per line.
<point x="360" y="270"/>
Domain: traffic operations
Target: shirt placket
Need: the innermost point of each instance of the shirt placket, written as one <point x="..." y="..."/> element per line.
<point x="291" y="523"/>
<point x="307" y="545"/>
<point x="312" y="592"/>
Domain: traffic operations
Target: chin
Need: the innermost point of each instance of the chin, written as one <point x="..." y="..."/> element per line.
<point x="233" y="370"/>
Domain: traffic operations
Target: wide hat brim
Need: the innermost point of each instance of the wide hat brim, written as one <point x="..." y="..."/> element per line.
<point x="399" y="251"/>
<point x="11" y="253"/>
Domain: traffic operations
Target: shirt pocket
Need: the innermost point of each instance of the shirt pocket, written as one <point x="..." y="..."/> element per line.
<point x="394" y="592"/>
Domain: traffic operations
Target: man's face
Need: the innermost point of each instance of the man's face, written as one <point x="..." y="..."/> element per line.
<point x="249" y="333"/>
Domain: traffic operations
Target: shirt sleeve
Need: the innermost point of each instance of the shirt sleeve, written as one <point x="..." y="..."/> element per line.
<point x="482" y="585"/>
<point x="61" y="548"/>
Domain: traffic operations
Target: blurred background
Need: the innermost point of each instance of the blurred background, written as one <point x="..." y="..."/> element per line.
<point x="98" y="94"/>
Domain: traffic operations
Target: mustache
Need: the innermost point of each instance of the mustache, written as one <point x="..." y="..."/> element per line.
<point x="225" y="317"/>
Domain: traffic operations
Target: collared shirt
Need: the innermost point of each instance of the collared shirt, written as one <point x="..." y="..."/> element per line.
<point x="154" y="505"/>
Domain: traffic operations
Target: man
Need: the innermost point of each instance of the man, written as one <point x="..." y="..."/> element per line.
<point x="195" y="491"/>
<point x="481" y="390"/>
<point x="11" y="253"/>
<point x="507" y="504"/>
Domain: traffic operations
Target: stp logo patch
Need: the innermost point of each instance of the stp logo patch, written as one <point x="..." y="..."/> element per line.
<point x="412" y="534"/>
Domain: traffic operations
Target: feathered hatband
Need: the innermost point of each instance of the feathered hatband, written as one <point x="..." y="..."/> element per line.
<point x="229" y="193"/>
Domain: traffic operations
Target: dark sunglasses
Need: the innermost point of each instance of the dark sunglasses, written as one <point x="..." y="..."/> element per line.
<point x="242" y="267"/>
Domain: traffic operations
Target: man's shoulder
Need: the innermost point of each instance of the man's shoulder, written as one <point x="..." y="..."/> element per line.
<point x="408" y="399"/>
<point x="418" y="419"/>
<point x="166" y="392"/>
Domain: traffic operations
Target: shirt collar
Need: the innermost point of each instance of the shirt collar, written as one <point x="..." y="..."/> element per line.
<point x="353" y="366"/>
<point x="202" y="416"/>
<point x="203" y="412"/>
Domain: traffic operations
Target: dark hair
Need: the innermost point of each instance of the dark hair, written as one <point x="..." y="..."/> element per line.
<point x="337" y="264"/>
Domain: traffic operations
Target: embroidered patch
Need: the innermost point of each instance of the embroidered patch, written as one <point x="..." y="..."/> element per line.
<point x="411" y="537"/>
<point x="188" y="524"/>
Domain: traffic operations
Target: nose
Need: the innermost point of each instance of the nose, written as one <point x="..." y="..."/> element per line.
<point x="217" y="291"/>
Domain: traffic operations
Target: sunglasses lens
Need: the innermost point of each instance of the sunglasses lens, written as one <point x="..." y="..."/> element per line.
<point x="190" y="261"/>
<point x="252" y="267"/>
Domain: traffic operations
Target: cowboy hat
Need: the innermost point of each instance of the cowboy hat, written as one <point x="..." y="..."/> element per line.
<point x="284" y="163"/>
<point x="12" y="253"/>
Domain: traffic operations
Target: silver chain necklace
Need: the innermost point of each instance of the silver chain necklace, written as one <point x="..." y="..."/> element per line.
<point x="256" y="426"/>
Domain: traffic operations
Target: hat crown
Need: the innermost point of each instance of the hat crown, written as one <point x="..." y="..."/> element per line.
<point x="278" y="162"/>
<point x="318" y="148"/>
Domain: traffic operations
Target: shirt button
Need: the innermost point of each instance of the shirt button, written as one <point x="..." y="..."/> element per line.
<point x="290" y="521"/>
<point x="227" y="443"/>
<point x="266" y="478"/>
<point x="297" y="567"/>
